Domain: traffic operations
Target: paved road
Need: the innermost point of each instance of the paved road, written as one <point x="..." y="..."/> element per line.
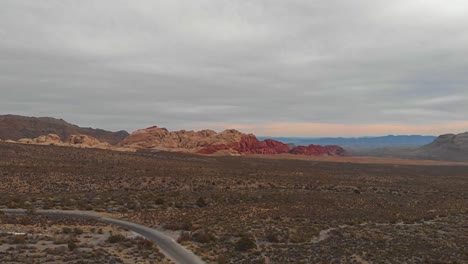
<point x="167" y="245"/>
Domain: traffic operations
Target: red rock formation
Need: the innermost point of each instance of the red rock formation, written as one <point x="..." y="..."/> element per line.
<point x="249" y="144"/>
<point x="334" y="150"/>
<point x="215" y="148"/>
<point x="231" y="142"/>
<point x="316" y="150"/>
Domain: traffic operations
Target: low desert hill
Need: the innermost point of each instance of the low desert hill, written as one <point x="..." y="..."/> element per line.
<point x="15" y="127"/>
<point x="448" y="147"/>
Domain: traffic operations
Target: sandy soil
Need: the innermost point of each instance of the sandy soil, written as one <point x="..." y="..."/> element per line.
<point x="362" y="160"/>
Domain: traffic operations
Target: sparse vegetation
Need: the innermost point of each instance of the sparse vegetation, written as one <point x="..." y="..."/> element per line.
<point x="46" y="242"/>
<point x="290" y="211"/>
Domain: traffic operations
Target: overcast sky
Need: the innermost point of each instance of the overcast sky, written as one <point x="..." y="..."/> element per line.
<point x="291" y="68"/>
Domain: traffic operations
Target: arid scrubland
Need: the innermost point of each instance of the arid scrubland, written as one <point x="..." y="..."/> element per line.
<point x="254" y="210"/>
<point x="42" y="239"/>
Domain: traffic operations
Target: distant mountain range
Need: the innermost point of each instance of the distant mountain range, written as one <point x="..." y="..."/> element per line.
<point x="360" y="142"/>
<point x="449" y="147"/>
<point x="47" y="130"/>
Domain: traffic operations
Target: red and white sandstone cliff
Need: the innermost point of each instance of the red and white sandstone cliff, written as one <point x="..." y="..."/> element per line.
<point x="228" y="142"/>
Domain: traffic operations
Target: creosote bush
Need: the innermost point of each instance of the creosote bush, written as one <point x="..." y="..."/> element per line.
<point x="72" y="246"/>
<point x="201" y="202"/>
<point x="115" y="238"/>
<point x="245" y="244"/>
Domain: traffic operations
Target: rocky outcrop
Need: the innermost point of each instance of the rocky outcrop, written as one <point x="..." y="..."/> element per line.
<point x="78" y="141"/>
<point x="180" y="141"/>
<point x="316" y="150"/>
<point x="249" y="144"/>
<point x="228" y="142"/>
<point x="42" y="140"/>
<point x="86" y="142"/>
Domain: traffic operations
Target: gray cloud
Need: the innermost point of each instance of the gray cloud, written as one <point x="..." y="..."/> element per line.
<point x="187" y="64"/>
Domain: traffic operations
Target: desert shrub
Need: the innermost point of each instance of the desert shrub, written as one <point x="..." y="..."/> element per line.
<point x="19" y="240"/>
<point x="72" y="246"/>
<point x="77" y="231"/>
<point x="245" y="244"/>
<point x="115" y="238"/>
<point x="66" y="230"/>
<point x="297" y="238"/>
<point x="203" y="236"/>
<point x="271" y="237"/>
<point x="144" y="244"/>
<point x="184" y="224"/>
<point x="159" y="201"/>
<point x="201" y="202"/>
<point x="184" y="236"/>
<point x="64" y="240"/>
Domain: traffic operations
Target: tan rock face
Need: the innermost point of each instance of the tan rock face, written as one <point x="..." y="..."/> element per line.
<point x="48" y="139"/>
<point x="78" y="141"/>
<point x="187" y="141"/>
<point x="26" y="141"/>
<point x="42" y="140"/>
<point x="86" y="141"/>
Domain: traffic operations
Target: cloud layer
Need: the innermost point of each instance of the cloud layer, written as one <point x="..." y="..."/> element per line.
<point x="267" y="66"/>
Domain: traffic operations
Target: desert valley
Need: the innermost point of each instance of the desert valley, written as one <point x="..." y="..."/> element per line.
<point x="227" y="197"/>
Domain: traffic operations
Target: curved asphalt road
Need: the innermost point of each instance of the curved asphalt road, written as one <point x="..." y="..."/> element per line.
<point x="167" y="245"/>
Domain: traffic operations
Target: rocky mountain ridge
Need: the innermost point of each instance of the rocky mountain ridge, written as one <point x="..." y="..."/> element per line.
<point x="448" y="147"/>
<point x="15" y="127"/>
